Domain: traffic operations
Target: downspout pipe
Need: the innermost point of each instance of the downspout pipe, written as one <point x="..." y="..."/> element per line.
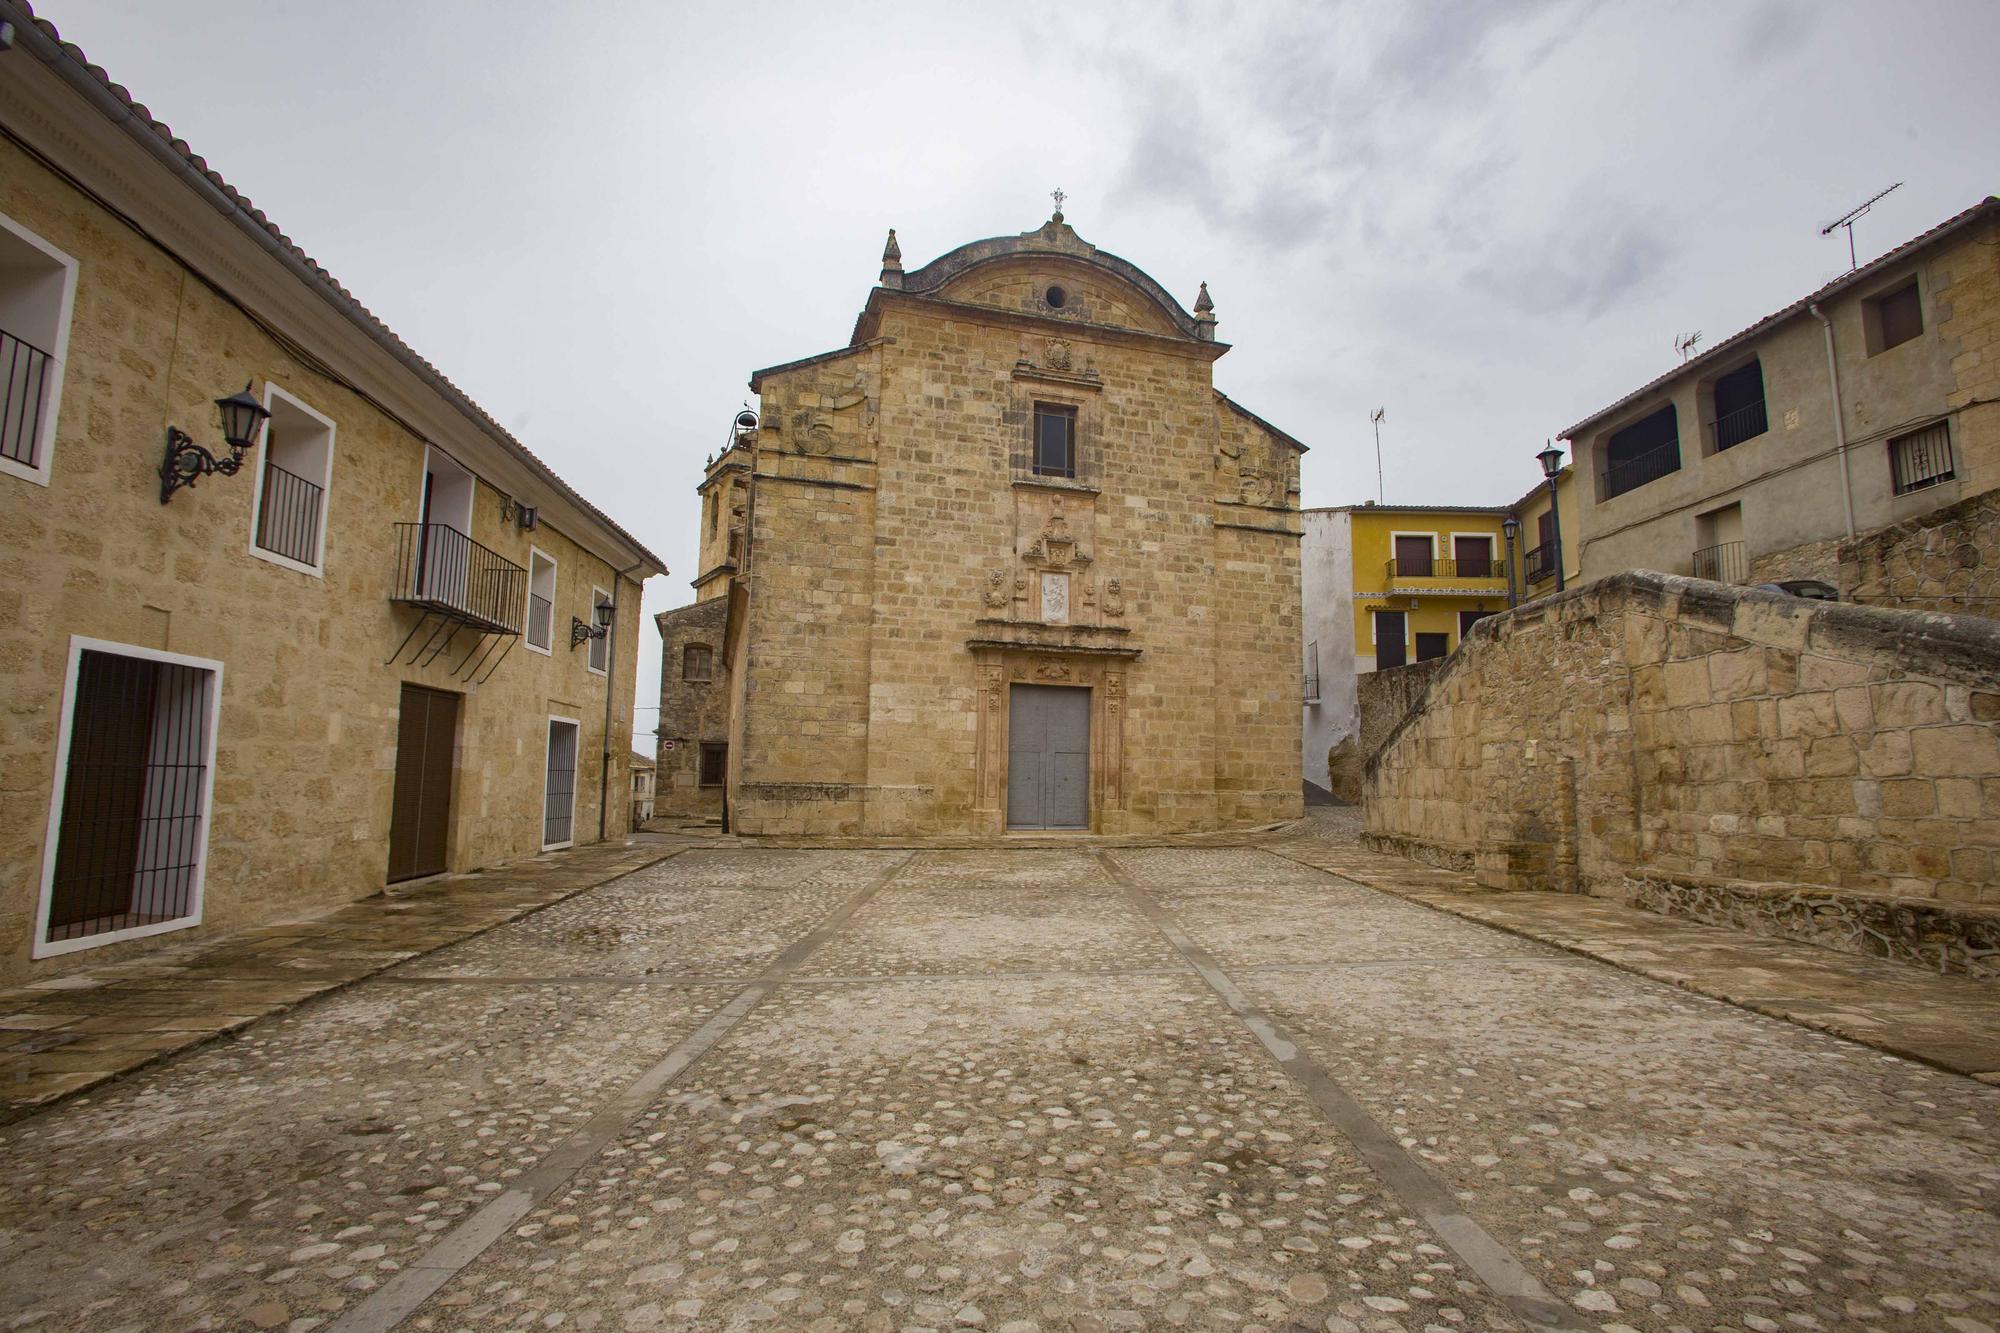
<point x="610" y="678"/>
<point x="1839" y="418"/>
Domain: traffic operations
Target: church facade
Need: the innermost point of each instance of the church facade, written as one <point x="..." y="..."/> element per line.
<point x="1006" y="562"/>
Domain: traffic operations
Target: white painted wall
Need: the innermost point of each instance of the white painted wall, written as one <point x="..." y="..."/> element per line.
<point x="1326" y="586"/>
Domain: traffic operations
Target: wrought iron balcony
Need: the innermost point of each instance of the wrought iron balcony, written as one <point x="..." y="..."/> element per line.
<point x="1434" y="567"/>
<point x="1732" y="428"/>
<point x="1723" y="562"/>
<point x="24" y="373"/>
<point x="441" y="570"/>
<point x="288" y="515"/>
<point x="1540" y="562"/>
<point x="1636" y="472"/>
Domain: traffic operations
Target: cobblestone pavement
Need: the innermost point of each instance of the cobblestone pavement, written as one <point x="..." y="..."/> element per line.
<point x="1066" y="1088"/>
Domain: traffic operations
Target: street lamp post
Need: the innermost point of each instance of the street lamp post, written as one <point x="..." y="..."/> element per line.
<point x="1512" y="527"/>
<point x="1551" y="460"/>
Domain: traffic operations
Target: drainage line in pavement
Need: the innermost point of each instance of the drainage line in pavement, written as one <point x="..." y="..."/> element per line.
<point x="1489" y="1260"/>
<point x="399" y="1298"/>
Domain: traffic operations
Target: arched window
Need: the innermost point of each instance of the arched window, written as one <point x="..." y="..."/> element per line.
<point x="697" y="662"/>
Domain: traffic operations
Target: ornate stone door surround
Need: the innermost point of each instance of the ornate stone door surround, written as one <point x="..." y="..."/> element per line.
<point x="1000" y="663"/>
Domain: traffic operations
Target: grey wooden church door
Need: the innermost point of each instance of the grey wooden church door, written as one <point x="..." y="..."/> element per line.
<point x="1048" y="757"/>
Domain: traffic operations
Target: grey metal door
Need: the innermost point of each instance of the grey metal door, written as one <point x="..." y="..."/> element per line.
<point x="1048" y="757"/>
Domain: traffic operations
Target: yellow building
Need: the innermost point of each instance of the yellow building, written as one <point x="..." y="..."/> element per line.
<point x="1535" y="546"/>
<point x="1422" y="575"/>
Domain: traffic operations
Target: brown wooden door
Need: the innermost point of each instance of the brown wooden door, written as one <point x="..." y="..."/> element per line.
<point x="420" y="821"/>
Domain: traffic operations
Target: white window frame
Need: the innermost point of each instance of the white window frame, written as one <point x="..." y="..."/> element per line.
<point x="1492" y="550"/>
<point x="555" y="577"/>
<point x="542" y="806"/>
<point x="317" y="569"/>
<point x="45" y="442"/>
<point x="40" y="945"/>
<point x="591" y="647"/>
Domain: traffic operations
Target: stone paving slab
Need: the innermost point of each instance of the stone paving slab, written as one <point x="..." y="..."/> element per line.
<point x="950" y="930"/>
<point x="62" y="1037"/>
<point x="283" y="1175"/>
<point x="1000" y="1154"/>
<point x="1667" y="1159"/>
<point x="1950" y="1022"/>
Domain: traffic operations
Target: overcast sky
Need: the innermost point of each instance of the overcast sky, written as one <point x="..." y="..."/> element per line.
<point x="1489" y="219"/>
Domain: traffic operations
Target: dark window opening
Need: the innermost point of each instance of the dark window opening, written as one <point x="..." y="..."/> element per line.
<point x="1055" y="441"/>
<point x="1895" y="318"/>
<point x="1413" y="557"/>
<point x="1390" y="647"/>
<point x="698" y="662"/>
<point x="1430" y="647"/>
<point x="1473" y="556"/>
<point x="714" y="765"/>
<point x="1467" y="619"/>
<point x="1739" y="408"/>
<point x="1055" y="296"/>
<point x="130" y="836"/>
<point x="1644" y="451"/>
<point x="1921" y="459"/>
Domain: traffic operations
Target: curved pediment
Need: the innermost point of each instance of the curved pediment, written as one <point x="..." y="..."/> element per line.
<point x="1054" y="273"/>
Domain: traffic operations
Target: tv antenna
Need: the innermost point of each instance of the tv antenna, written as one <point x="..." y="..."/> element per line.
<point x="1848" y="221"/>
<point x="1376" y="418"/>
<point x="1685" y="344"/>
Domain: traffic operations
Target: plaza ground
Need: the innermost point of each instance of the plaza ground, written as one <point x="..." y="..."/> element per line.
<point x="1082" y="1087"/>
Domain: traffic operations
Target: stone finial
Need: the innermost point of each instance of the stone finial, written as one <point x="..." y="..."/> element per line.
<point x="892" y="262"/>
<point x="1204" y="314"/>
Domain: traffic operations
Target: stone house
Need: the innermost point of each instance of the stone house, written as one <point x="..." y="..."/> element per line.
<point x="379" y="640"/>
<point x="694" y="704"/>
<point x="642" y="766"/>
<point x="1870" y="402"/>
<point x="1008" y="560"/>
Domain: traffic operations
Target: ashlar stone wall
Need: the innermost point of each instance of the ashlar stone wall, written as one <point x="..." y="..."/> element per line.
<point x="1647" y="723"/>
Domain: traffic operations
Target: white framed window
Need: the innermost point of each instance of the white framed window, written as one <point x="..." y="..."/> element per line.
<point x="288" y="504"/>
<point x="127" y="844"/>
<point x="599" y="659"/>
<point x="559" y="783"/>
<point x="541" y="601"/>
<point x="37" y="297"/>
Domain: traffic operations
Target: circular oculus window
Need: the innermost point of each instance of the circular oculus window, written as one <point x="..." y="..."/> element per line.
<point x="1055" y="296"/>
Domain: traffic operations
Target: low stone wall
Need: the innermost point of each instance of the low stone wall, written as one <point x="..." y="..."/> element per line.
<point x="1647" y="722"/>
<point x="1382" y="699"/>
<point x="1955" y="939"/>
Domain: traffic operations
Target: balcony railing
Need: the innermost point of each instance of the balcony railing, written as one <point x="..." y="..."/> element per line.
<point x="288" y="515"/>
<point x="541" y="620"/>
<point x="1540" y="562"/>
<point x="1636" y="472"/>
<point x="1433" y="567"/>
<point x="1723" y="562"/>
<point x="440" y="569"/>
<point x="25" y="369"/>
<point x="1732" y="428"/>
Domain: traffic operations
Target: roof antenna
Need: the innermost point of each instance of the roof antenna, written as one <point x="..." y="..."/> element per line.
<point x="1376" y="417"/>
<point x="1685" y="344"/>
<point x="1848" y="222"/>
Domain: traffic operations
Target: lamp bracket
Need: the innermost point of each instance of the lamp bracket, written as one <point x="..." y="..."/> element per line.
<point x="187" y="462"/>
<point x="580" y="633"/>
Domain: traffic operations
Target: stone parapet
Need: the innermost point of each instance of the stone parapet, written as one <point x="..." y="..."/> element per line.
<point x="1658" y="723"/>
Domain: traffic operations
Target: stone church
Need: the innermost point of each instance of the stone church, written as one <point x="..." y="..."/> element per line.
<point x="1006" y="561"/>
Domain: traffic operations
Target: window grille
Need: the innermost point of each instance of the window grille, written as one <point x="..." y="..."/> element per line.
<point x="1922" y="458"/>
<point x="1055" y="441"/>
<point x="23" y="380"/>
<point x="714" y="765"/>
<point x="541" y="600"/>
<point x="1312" y="672"/>
<point x="559" y="808"/>
<point x="133" y="825"/>
<point x="288" y="519"/>
<point x="600" y="647"/>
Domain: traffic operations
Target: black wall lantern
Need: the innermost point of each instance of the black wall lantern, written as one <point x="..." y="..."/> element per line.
<point x="582" y="633"/>
<point x="187" y="462"/>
